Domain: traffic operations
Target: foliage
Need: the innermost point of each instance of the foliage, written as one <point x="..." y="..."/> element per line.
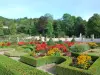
<point x="15" y="53"/>
<point x="50" y="42"/>
<point x="12" y="28"/>
<point x="65" y="68"/>
<point x="40" y="37"/>
<point x="49" y="26"/>
<point x="92" y="45"/>
<point x="28" y="47"/>
<point x="41" y="60"/>
<point x="81" y="47"/>
<point x="80" y="26"/>
<point x="11" y="67"/>
<point x="60" y="42"/>
<point x="93" y="25"/>
<point x="1" y="29"/>
<point x="73" y="39"/>
<point x="68" y="25"/>
<point x="49" y="29"/>
<point x="57" y="28"/>
<point x="13" y="39"/>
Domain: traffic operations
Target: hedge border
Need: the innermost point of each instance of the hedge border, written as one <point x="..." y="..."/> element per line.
<point x="65" y="68"/>
<point x="36" y="62"/>
<point x="11" y="67"/>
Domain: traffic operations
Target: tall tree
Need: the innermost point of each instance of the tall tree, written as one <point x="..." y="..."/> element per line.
<point x="68" y="24"/>
<point x="93" y="25"/>
<point x="42" y="24"/>
<point x="49" y="25"/>
<point x="57" y="28"/>
<point x="1" y="29"/>
<point x="12" y="28"/>
<point x="80" y="26"/>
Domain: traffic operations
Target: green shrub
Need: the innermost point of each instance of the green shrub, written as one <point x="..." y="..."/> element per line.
<point x="41" y="60"/>
<point x="79" y="48"/>
<point x="50" y="42"/>
<point x="60" y="42"/>
<point x="12" y="67"/>
<point x="29" y="47"/>
<point x="98" y="44"/>
<point x="73" y="40"/>
<point x="13" y="38"/>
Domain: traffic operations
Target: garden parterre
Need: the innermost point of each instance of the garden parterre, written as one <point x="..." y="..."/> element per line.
<point x="41" y="53"/>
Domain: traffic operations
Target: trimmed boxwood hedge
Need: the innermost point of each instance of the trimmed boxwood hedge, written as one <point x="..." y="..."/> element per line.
<point x="14" y="53"/>
<point x="12" y="67"/>
<point x="41" y="60"/>
<point x="65" y="68"/>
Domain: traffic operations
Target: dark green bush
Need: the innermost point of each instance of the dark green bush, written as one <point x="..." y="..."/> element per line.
<point x="41" y="60"/>
<point x="73" y="39"/>
<point x="79" y="48"/>
<point x="50" y="42"/>
<point x="60" y="42"/>
<point x="12" y="67"/>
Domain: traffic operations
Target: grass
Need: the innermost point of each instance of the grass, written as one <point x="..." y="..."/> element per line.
<point x="95" y="52"/>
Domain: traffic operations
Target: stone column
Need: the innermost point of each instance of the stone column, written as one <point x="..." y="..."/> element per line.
<point x="92" y="37"/>
<point x="81" y="38"/>
<point x="17" y="39"/>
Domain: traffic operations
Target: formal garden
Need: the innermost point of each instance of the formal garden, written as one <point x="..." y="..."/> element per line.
<point x="41" y="46"/>
<point x="66" y="57"/>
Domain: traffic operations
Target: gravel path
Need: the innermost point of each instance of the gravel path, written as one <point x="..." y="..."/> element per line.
<point x="1" y="53"/>
<point x="50" y="68"/>
<point x="14" y="58"/>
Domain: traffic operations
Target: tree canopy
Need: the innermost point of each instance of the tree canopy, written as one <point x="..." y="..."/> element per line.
<point x="67" y="25"/>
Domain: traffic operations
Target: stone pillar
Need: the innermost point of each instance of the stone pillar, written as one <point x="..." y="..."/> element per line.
<point x="17" y="39"/>
<point x="81" y="38"/>
<point x="92" y="37"/>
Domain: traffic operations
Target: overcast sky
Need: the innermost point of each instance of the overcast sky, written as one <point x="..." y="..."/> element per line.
<point x="37" y="8"/>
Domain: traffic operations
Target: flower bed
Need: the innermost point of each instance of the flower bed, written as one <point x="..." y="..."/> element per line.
<point x="42" y="53"/>
<point x="65" y="68"/>
<point x="83" y="61"/>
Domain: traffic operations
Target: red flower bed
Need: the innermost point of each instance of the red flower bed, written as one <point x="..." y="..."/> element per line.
<point x="69" y="43"/>
<point x="41" y="46"/>
<point x="21" y="43"/>
<point x="59" y="46"/>
<point x="8" y="44"/>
